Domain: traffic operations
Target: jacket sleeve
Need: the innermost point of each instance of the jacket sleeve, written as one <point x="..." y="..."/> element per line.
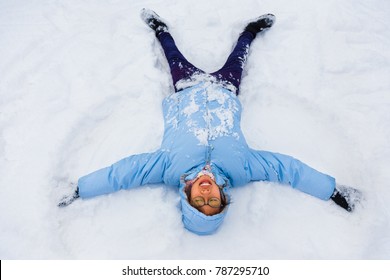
<point x="133" y="171"/>
<point x="274" y="167"/>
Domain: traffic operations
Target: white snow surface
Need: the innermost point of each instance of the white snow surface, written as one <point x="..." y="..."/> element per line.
<point x="81" y="86"/>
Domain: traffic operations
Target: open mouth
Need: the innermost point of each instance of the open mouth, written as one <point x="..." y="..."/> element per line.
<point x="205" y="182"/>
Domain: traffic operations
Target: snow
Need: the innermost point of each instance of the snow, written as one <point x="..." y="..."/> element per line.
<point x="81" y="86"/>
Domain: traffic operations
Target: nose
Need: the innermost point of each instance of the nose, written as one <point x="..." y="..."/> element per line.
<point x="205" y="189"/>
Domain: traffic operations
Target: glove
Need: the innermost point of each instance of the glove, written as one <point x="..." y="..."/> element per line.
<point x="346" y="197"/>
<point x="66" y="200"/>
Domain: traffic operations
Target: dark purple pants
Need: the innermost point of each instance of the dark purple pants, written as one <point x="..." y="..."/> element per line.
<point x="230" y="73"/>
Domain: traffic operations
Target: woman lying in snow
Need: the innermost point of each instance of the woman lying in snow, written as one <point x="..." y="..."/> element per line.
<point x="203" y="151"/>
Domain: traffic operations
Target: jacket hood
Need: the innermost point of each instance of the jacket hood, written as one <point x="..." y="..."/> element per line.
<point x="194" y="220"/>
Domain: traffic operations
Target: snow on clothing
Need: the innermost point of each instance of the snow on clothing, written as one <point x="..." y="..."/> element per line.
<point x="229" y="74"/>
<point x="202" y="126"/>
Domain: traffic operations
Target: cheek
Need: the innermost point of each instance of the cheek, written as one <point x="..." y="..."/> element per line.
<point x="216" y="192"/>
<point x="194" y="192"/>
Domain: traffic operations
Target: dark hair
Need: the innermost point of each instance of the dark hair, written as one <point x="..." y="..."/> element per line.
<point x="188" y="188"/>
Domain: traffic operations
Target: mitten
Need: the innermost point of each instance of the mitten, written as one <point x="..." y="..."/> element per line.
<point x="66" y="200"/>
<point x="346" y="197"/>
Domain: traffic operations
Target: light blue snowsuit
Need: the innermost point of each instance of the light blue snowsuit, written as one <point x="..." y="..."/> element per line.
<point x="202" y="126"/>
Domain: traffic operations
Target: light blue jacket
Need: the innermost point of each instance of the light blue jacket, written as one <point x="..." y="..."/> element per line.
<point x="202" y="126"/>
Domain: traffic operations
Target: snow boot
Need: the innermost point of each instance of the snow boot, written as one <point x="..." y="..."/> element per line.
<point x="261" y="23"/>
<point x="346" y="197"/>
<point x="154" y="21"/>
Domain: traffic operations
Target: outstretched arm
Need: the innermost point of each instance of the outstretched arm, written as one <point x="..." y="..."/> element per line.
<point x="274" y="167"/>
<point x="133" y="171"/>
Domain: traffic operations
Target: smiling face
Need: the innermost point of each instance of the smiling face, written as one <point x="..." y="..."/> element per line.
<point x="206" y="188"/>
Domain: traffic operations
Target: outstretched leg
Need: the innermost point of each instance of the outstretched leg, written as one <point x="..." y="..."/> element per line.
<point x="231" y="71"/>
<point x="180" y="67"/>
